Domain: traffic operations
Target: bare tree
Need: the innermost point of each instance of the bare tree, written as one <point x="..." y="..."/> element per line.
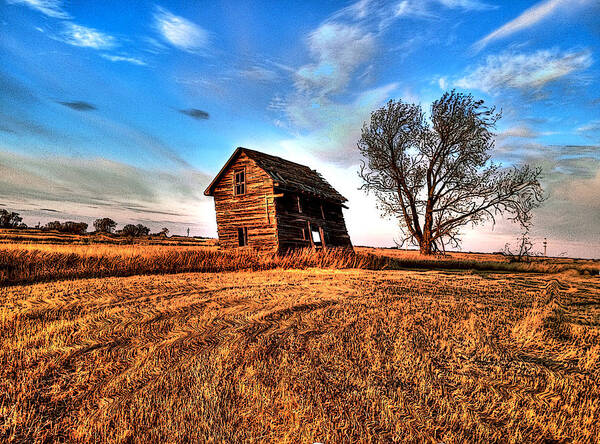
<point x="523" y="249"/>
<point x="436" y="175"/>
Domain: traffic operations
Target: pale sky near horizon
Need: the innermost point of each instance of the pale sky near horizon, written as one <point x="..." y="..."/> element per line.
<point x="128" y="109"/>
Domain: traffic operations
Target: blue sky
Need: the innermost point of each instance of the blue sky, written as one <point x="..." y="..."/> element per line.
<point x="127" y="109"/>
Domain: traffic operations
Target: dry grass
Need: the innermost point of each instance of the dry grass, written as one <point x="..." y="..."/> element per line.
<point x="38" y="263"/>
<point x="29" y="263"/>
<point x="484" y="262"/>
<point x="302" y="356"/>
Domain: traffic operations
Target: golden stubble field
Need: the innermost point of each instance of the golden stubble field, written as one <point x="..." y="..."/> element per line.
<point x="306" y="355"/>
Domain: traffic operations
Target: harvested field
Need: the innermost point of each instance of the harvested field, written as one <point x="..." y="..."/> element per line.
<point x="302" y="356"/>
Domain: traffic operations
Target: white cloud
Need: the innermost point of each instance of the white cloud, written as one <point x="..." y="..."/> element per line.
<point x="339" y="49"/>
<point x="443" y="83"/>
<point x="528" y="18"/>
<point x="73" y="184"/>
<point x="590" y="130"/>
<point x="332" y="129"/>
<point x="277" y="103"/>
<point x="51" y="8"/>
<point x="584" y="191"/>
<point x="467" y="5"/>
<point x="323" y="115"/>
<point x="386" y="12"/>
<point x="519" y="131"/>
<point x="592" y="126"/>
<point x="525" y="71"/>
<point x="118" y="58"/>
<point x="179" y="31"/>
<point x="85" y="37"/>
<point x="259" y="74"/>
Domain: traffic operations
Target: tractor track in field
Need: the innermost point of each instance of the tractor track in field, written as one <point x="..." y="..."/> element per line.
<point x="326" y="355"/>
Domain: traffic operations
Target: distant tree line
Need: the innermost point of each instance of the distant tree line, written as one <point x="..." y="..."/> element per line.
<point x="66" y="227"/>
<point x="134" y="230"/>
<point x="10" y="219"/>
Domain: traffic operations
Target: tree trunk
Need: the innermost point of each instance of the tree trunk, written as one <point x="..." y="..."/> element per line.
<point x="425" y="246"/>
<point x="425" y="242"/>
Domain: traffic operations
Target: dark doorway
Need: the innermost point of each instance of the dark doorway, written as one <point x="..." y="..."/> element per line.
<point x="242" y="236"/>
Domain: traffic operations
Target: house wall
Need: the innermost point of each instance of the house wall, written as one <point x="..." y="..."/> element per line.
<point x="255" y="209"/>
<point x="291" y="221"/>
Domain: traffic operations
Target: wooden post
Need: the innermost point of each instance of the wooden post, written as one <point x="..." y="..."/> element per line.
<point x="322" y="234"/>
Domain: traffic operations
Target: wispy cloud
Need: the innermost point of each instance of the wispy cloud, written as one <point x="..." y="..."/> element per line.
<point x="443" y="83"/>
<point x="137" y="140"/>
<point x="51" y="8"/>
<point x="339" y="49"/>
<point x="519" y="131"/>
<point x="12" y="124"/>
<point x="467" y="5"/>
<point x="79" y="106"/>
<point x="382" y="13"/>
<point x="594" y="125"/>
<point x="330" y="130"/>
<point x="525" y="72"/>
<point x="571" y="181"/>
<point x="259" y="74"/>
<point x="127" y="192"/>
<point x="179" y="31"/>
<point x="528" y="18"/>
<point x="590" y="130"/>
<point x="120" y="58"/>
<point x="323" y="114"/>
<point x="195" y="113"/>
<point x="78" y="35"/>
<point x="349" y="39"/>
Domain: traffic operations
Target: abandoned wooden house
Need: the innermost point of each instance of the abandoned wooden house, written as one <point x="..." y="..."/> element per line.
<point x="271" y="204"/>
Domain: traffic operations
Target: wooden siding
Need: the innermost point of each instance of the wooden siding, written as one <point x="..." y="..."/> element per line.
<point x="255" y="209"/>
<point x="314" y="213"/>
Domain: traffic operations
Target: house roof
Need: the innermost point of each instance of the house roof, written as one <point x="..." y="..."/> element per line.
<point x="286" y="175"/>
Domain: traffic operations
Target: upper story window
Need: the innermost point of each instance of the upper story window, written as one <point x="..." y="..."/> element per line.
<point x="239" y="183"/>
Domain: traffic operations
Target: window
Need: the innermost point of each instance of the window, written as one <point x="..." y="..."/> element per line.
<point x="304" y="234"/>
<point x="243" y="236"/>
<point x="316" y="236"/>
<point x="240" y="183"/>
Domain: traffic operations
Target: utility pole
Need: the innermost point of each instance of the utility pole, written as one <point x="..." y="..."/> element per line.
<point x="545" y="245"/>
